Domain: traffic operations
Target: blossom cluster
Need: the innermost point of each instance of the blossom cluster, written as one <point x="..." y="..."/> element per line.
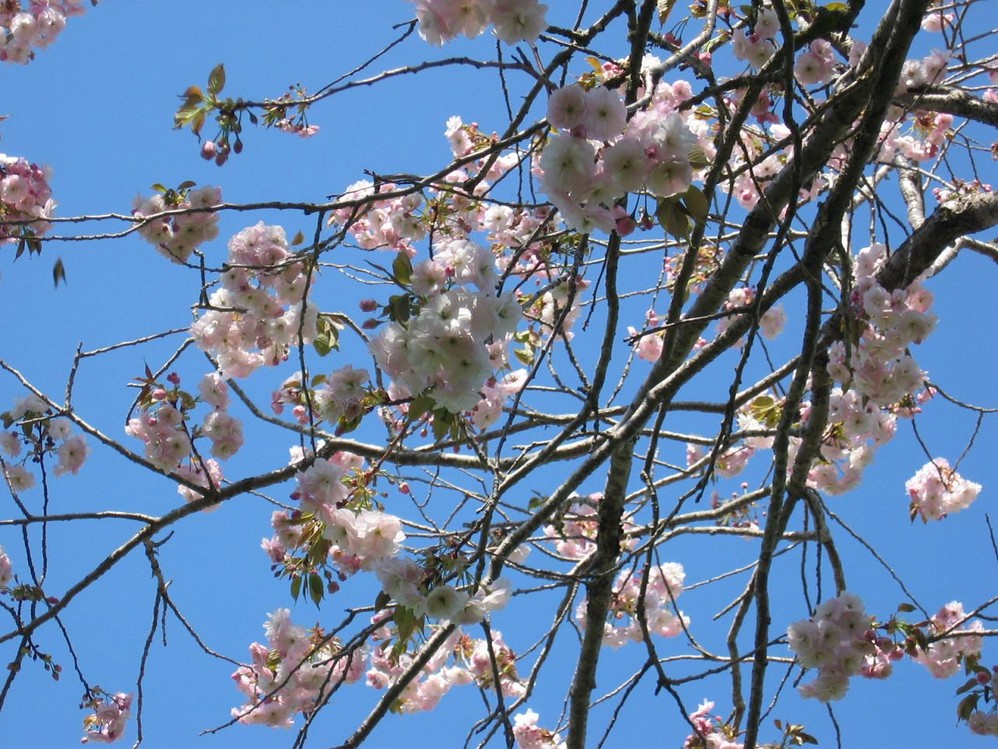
<point x="574" y="533"/>
<point x="445" y="346"/>
<point x="663" y="585"/>
<point x="405" y="582"/>
<point x="291" y="673"/>
<point x="334" y="524"/>
<point x="165" y="427"/>
<point x="936" y="490"/>
<point x="529" y="735"/>
<point x="513" y="20"/>
<point x="944" y="655"/>
<point x="459" y="283"/>
<point x="740" y="299"/>
<point x="880" y="379"/>
<point x="434" y="680"/>
<point x="23" y="29"/>
<point x="711" y="731"/>
<point x="261" y="309"/>
<point x="187" y="224"/>
<point x="836" y="641"/>
<point x="459" y="661"/>
<point x="110" y="716"/>
<point x="954" y="643"/>
<point x="598" y="155"/>
<point x="45" y="434"/>
<point x="337" y="527"/>
<point x="24" y="196"/>
<point x="754" y="44"/>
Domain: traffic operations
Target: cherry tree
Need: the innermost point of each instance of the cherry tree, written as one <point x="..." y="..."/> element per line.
<point x="588" y="392"/>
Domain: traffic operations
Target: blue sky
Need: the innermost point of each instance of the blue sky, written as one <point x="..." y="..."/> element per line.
<point x="98" y="108"/>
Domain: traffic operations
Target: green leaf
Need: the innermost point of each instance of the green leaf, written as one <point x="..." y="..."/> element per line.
<point x="323" y="344"/>
<point x="525" y="355"/>
<point x="197" y="122"/>
<point x="536" y="502"/>
<point x="398" y="308"/>
<point x="905" y="608"/>
<point x="382" y="601"/>
<point x="420" y="405"/>
<point x="672" y="218"/>
<point x="316" y="590"/>
<point x="216" y="80"/>
<point x="328" y="337"/>
<point x="664" y="8"/>
<point x="967" y="706"/>
<point x="968" y="685"/>
<point x="442" y="420"/>
<point x="298" y="239"/>
<point x="58" y="272"/>
<point x="295" y="587"/>
<point x="696" y="203"/>
<point x="402" y="268"/>
<point x="698" y="159"/>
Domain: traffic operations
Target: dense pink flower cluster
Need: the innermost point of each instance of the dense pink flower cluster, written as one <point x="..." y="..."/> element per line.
<point x="880" y="378"/>
<point x="513" y="20"/>
<point x="292" y="672"/>
<point x="664" y="585"/>
<point x="443" y="347"/>
<point x="529" y="735"/>
<point x="24" y="196"/>
<point x="165" y="426"/>
<point x="434" y="680"/>
<point x="24" y="29"/>
<point x="711" y="730"/>
<point x="333" y="506"/>
<point x="599" y="156"/>
<point x="108" y="721"/>
<point x="404" y="582"/>
<point x="936" y="490"/>
<point x="185" y="228"/>
<point x="48" y="435"/>
<point x="836" y="641"/>
<point x="574" y="534"/>
<point x="461" y="660"/>
<point x="261" y="309"/>
<point x="755" y="45"/>
<point x="944" y="656"/>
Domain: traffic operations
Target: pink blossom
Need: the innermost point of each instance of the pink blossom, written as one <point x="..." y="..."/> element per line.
<point x="110" y="715"/>
<point x="605" y="114"/>
<point x="6" y="570"/>
<point x="567" y="107"/>
<point x="518" y="20"/>
<point x="937" y="490"/>
<point x="72" y="454"/>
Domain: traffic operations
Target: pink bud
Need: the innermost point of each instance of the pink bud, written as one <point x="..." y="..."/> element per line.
<point x="404" y="487"/>
<point x="368" y="305"/>
<point x="208" y="150"/>
<point x="158" y="394"/>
